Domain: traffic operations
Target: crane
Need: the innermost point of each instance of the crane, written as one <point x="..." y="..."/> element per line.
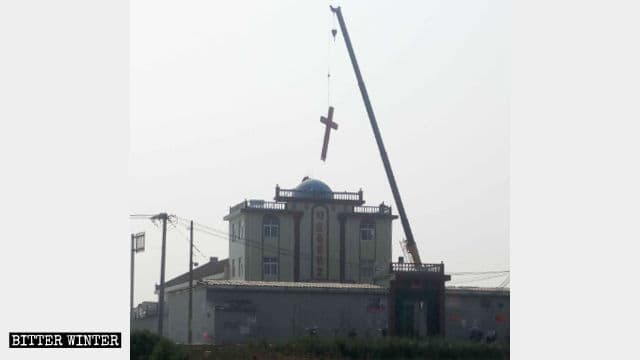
<point x="411" y="246"/>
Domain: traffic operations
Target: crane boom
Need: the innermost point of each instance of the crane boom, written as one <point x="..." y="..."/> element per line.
<point x="411" y="244"/>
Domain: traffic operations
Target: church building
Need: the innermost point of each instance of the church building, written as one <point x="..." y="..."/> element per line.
<point x="310" y="234"/>
<point x="318" y="262"/>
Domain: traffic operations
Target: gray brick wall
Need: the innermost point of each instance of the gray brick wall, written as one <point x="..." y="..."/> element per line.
<point x="236" y="316"/>
<point x="485" y="310"/>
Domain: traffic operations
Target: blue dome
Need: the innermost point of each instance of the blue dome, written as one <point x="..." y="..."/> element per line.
<point x="313" y="189"/>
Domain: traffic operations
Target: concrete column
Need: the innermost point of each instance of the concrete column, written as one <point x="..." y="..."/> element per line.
<point x="296" y="246"/>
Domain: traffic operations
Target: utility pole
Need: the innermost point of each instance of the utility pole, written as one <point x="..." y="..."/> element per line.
<point x="137" y="245"/>
<point x="163" y="217"/>
<point x="190" y="281"/>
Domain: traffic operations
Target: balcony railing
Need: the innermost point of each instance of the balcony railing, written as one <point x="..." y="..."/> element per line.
<point x="267" y="205"/>
<point x="288" y="194"/>
<point x="284" y="193"/>
<point x="259" y="204"/>
<point x="382" y="210"/>
<point x="348" y="196"/>
<point x="411" y="267"/>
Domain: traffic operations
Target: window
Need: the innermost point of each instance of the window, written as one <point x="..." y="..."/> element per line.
<point x="240" y="270"/>
<point x="233" y="232"/>
<point x="271" y="226"/>
<point x="367" y="230"/>
<point x="270" y="266"/>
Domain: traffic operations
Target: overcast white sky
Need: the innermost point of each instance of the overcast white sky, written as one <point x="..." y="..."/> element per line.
<point x="226" y="99"/>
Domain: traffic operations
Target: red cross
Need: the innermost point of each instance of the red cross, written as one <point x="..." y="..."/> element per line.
<point x="329" y="124"/>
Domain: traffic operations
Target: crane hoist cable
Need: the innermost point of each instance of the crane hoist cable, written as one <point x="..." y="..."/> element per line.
<point x="330" y="44"/>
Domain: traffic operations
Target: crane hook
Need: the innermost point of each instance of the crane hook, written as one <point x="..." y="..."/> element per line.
<point x="334" y="32"/>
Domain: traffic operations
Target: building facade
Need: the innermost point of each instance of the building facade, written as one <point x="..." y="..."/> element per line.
<point x="481" y="310"/>
<point x="237" y="311"/>
<point x="310" y="234"/>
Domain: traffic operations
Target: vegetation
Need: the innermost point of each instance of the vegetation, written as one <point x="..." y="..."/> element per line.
<point x="326" y="348"/>
<point x="149" y="346"/>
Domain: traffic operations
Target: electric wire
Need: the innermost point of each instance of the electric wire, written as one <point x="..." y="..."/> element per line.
<point x="186" y="237"/>
<point x="286" y="252"/>
<point x="253" y="243"/>
<point x="220" y="234"/>
<point x="478" y="272"/>
<point x="506" y="281"/>
<point x="478" y="279"/>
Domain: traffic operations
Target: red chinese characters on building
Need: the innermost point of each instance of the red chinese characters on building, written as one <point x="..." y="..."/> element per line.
<point x="320" y="246"/>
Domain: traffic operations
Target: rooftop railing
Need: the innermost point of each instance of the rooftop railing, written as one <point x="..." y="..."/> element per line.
<point x="259" y="204"/>
<point x="348" y="196"/>
<point x="382" y="209"/>
<point x="285" y="193"/>
<point x="267" y="205"/>
<point x="411" y="267"/>
<point x="288" y="194"/>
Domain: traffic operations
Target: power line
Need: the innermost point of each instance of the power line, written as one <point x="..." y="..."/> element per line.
<point x="506" y="281"/>
<point x="478" y="272"/>
<point x="307" y="256"/>
<point x="479" y="279"/>
<point x="286" y="252"/>
<point x="257" y="244"/>
<point x="187" y="238"/>
<point x="247" y="242"/>
<point x="180" y="232"/>
<point x="252" y="243"/>
<point x="141" y="216"/>
<point x="153" y="221"/>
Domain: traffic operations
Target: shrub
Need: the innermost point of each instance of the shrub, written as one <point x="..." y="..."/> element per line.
<point x="389" y="348"/>
<point x="146" y="345"/>
<point x="166" y="350"/>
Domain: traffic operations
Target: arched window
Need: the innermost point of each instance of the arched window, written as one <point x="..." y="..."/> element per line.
<point x="271" y="226"/>
<point x="367" y="230"/>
